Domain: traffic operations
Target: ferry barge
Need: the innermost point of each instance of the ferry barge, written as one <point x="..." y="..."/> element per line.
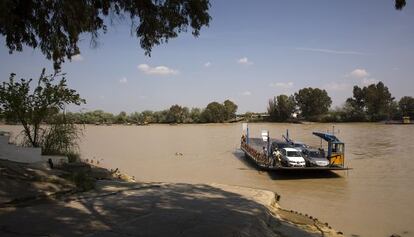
<point x="261" y="151"/>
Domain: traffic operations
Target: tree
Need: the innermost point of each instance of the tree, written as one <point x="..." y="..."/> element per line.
<point x="394" y="111"/>
<point x="231" y="109"/>
<point x="148" y="116"/>
<point x="160" y="116"/>
<point x="354" y="108"/>
<point x="178" y="114"/>
<point x="406" y="105"/>
<point x="377" y="101"/>
<point x="374" y="102"/>
<point x="358" y="100"/>
<point x="195" y="115"/>
<point x="33" y="108"/>
<point x="281" y="108"/>
<point x="55" y="25"/>
<point x="400" y="4"/>
<point x="214" y="113"/>
<point x="61" y="137"/>
<point x="135" y="117"/>
<point x="122" y="117"/>
<point x="312" y="102"/>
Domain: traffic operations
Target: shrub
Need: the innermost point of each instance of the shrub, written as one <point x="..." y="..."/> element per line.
<point x="61" y="138"/>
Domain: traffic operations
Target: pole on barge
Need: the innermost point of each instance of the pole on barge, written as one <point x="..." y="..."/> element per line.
<point x="247" y="136"/>
<point x="268" y="144"/>
<point x="245" y="128"/>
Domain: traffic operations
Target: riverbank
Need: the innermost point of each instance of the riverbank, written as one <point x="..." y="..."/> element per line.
<point x="47" y="204"/>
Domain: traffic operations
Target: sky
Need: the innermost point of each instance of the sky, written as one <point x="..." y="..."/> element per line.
<point x="252" y="51"/>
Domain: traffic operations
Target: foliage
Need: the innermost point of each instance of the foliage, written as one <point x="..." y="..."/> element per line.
<point x="121" y="117"/>
<point x="351" y="113"/>
<point x="214" y="113"/>
<point x="312" y="102"/>
<point x="281" y="108"/>
<point x="178" y="114"/>
<point x="175" y="114"/>
<point x="55" y="25"/>
<point x="195" y="115"/>
<point x="219" y="113"/>
<point x="73" y="157"/>
<point x="406" y="104"/>
<point x="358" y="100"/>
<point x="377" y="101"/>
<point x="61" y="137"/>
<point x="231" y="109"/>
<point x="92" y="117"/>
<point x="354" y="108"/>
<point x="83" y="180"/>
<point x="394" y="111"/>
<point x="373" y="101"/>
<point x="33" y="107"/>
<point x="400" y="4"/>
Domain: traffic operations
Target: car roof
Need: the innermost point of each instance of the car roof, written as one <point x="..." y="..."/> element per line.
<point x="290" y="149"/>
<point x="311" y="149"/>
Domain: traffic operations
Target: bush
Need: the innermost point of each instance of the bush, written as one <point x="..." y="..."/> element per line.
<point x="82" y="180"/>
<point x="73" y="157"/>
<point x="61" y="138"/>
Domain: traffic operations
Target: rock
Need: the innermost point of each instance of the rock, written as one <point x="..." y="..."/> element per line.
<point x="77" y="167"/>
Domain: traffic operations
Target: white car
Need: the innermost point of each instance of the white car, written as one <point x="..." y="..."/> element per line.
<point x="291" y="157"/>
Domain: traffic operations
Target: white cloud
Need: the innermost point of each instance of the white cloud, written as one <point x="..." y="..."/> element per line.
<point x="123" y="80"/>
<point x="247" y="93"/>
<point x="363" y="76"/>
<point x="244" y="61"/>
<point x="284" y="85"/>
<point x="207" y="64"/>
<point x="158" y="70"/>
<point x="77" y="58"/>
<point x="330" y="51"/>
<point x="337" y="86"/>
<point x="359" y="73"/>
<point x="369" y="81"/>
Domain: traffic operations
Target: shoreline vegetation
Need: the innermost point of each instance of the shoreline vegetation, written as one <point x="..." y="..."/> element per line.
<point x="373" y="103"/>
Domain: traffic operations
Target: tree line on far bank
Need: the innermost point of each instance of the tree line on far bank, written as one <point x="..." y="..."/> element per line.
<point x="215" y="112"/>
<point x="370" y="103"/>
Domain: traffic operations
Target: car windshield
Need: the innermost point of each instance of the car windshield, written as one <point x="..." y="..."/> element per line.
<point x="293" y="154"/>
<point x="315" y="154"/>
<point x="282" y="145"/>
<point x="299" y="145"/>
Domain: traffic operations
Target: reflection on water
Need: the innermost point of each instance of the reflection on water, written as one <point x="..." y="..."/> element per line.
<point x="373" y="199"/>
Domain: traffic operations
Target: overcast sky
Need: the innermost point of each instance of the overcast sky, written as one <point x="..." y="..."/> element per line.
<point x="252" y="51"/>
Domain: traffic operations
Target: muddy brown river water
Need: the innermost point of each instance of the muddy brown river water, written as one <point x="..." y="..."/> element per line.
<point x="375" y="198"/>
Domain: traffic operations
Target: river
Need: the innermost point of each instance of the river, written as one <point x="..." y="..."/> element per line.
<point x="375" y="198"/>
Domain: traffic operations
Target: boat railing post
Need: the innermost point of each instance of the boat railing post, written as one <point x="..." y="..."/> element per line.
<point x="247" y="136"/>
<point x="268" y="144"/>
